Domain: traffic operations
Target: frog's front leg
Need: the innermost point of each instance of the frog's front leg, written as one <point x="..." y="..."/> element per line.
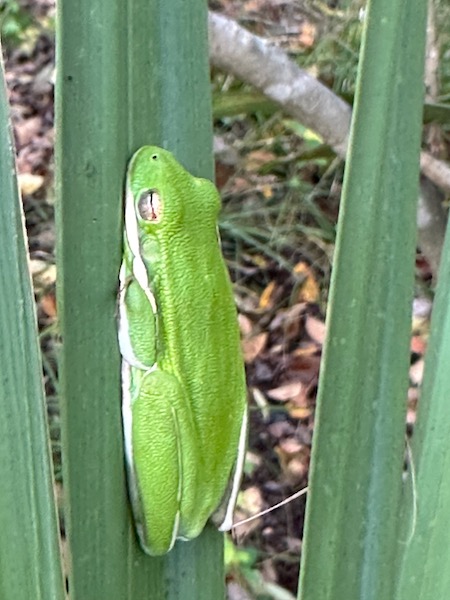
<point x="137" y="322"/>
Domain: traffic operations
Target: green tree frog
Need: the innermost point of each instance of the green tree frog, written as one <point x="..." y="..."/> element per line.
<point x="183" y="381"/>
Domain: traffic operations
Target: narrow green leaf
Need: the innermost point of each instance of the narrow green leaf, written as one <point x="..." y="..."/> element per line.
<point x="352" y="513"/>
<point x="29" y="540"/>
<point x="425" y="569"/>
<point x="129" y="73"/>
<point x="236" y="102"/>
<point x="436" y="113"/>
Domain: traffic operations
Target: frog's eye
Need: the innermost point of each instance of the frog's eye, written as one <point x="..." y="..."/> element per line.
<point x="149" y="206"/>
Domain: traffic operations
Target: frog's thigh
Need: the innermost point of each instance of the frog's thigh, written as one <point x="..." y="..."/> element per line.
<point x="165" y="456"/>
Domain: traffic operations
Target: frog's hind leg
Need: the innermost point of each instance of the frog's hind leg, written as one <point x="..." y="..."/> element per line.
<point x="223" y="516"/>
<point x="160" y="464"/>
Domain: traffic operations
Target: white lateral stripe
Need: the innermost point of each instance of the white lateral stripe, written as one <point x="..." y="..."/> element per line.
<point x="127" y="418"/>
<point x="132" y="232"/>
<point x="140" y="272"/>
<point x="227" y="522"/>
<point x="123" y="335"/>
<point x="131" y="226"/>
<point x="141" y="276"/>
<point x="126" y="348"/>
<point x="122" y="278"/>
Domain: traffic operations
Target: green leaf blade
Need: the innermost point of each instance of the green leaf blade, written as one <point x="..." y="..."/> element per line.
<point x="129" y="74"/>
<point x="29" y="546"/>
<point x="352" y="524"/>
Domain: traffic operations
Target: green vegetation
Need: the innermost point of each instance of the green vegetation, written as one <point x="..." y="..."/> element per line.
<point x="373" y="529"/>
<point x="14" y="21"/>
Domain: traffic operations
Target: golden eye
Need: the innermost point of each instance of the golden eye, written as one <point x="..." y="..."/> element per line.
<point x="149" y="206"/>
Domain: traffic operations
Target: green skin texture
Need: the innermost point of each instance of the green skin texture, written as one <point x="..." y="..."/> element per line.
<point x="184" y="397"/>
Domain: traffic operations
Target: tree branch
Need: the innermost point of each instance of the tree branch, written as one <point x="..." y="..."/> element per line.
<point x="250" y="58"/>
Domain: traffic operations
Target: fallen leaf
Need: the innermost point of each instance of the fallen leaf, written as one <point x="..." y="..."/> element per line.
<point x="260" y="261"/>
<point x="239" y="185"/>
<point x="222" y="174"/>
<point x="48" y="305"/>
<point x="43" y="274"/>
<point x="251" y="500"/>
<point x="304" y="368"/>
<point x="253" y="346"/>
<point x="267" y="191"/>
<point x="286" y="392"/>
<point x="281" y="429"/>
<point x="236" y="591"/>
<point x="290" y="446"/>
<point x="29" y="184"/>
<point x="422" y="308"/>
<point x="418" y="344"/>
<point x="261" y="402"/>
<point x="307" y="35"/>
<point x="266" y="299"/>
<point x="27" y="129"/>
<point x="301" y="413"/>
<point x="306" y="350"/>
<point x="413" y="397"/>
<point x="255" y="160"/>
<point x="253" y="5"/>
<point x="293" y="313"/>
<point x="249" y="504"/>
<point x="300" y="407"/>
<point x="416" y="372"/>
<point x="294" y="459"/>
<point x="315" y="329"/>
<point x="309" y="289"/>
<point x="245" y="325"/>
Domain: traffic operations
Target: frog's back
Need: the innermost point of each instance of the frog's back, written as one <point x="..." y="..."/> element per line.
<point x="202" y="341"/>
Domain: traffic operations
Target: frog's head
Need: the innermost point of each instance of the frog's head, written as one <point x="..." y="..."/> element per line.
<point x="166" y="195"/>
